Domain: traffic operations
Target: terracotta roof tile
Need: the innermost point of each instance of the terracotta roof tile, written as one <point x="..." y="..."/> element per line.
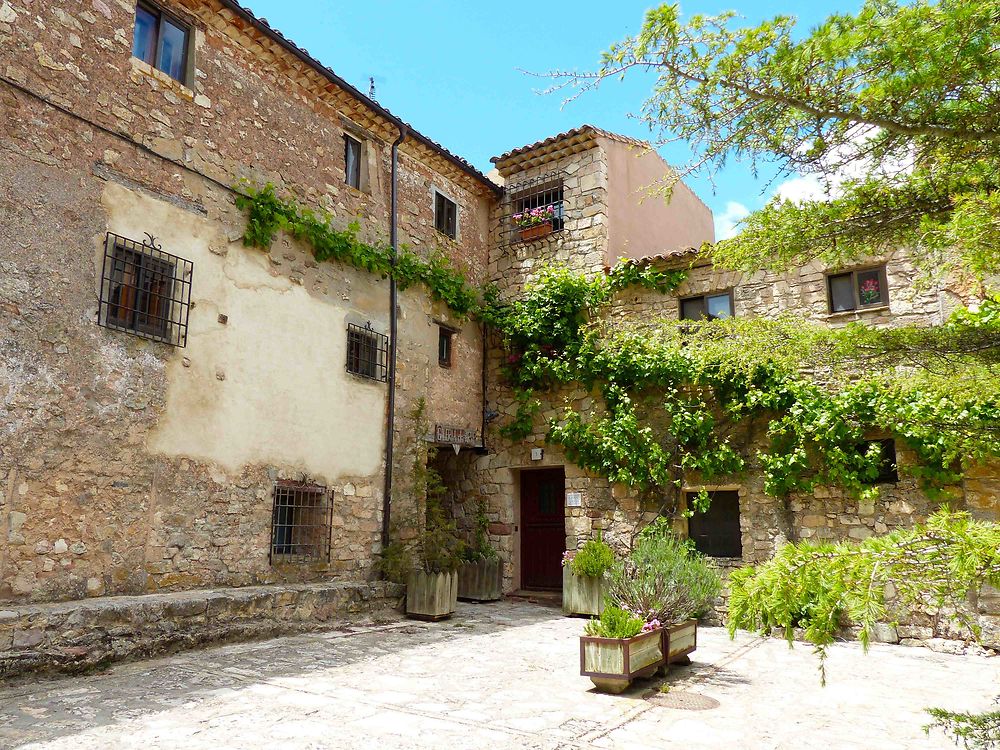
<point x="569" y="134"/>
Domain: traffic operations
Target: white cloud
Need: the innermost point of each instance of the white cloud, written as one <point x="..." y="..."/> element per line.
<point x="799" y="189"/>
<point x="725" y="223"/>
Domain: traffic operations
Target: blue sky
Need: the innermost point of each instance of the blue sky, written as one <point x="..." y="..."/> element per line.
<point x="453" y="69"/>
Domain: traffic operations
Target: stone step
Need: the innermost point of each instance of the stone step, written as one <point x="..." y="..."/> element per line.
<point x="81" y="635"/>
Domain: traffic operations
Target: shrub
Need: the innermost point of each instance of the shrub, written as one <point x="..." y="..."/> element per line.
<point x="614" y="622"/>
<point x="663" y="579"/>
<point x="594" y="559"/>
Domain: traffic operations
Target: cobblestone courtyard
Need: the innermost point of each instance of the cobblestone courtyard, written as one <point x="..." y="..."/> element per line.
<point x="496" y="676"/>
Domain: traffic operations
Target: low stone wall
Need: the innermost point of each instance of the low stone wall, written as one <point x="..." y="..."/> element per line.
<point x="80" y="635"/>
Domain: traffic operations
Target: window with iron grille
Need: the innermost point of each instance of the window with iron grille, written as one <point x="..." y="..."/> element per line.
<point x="716" y="532"/>
<point x="161" y="40"/>
<point x="367" y="352"/>
<point x="144" y="290"/>
<point x="301" y="521"/>
<point x="445" y="215"/>
<point x="856" y="290"/>
<point x="535" y="208"/>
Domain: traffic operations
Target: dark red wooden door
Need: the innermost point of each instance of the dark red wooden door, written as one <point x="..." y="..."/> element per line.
<point x="543" y="528"/>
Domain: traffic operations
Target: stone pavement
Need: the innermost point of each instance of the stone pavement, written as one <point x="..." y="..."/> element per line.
<point x="495" y="676"/>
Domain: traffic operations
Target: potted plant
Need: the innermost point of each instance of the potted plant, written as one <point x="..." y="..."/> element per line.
<point x="480" y="576"/>
<point x="583" y="578"/>
<point x="664" y="580"/>
<point x="618" y="647"/>
<point x="534" y="223"/>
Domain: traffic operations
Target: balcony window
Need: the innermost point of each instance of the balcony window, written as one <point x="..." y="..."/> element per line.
<point x="536" y="209"/>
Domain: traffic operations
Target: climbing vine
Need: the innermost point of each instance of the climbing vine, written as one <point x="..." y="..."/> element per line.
<point x="267" y="214"/>
<point x="674" y="394"/>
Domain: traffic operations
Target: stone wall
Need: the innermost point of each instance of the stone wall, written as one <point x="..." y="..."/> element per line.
<point x="127" y="465"/>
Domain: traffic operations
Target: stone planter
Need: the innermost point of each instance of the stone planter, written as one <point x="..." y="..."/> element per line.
<point x="582" y="595"/>
<point x="612" y="663"/>
<point x="431" y="596"/>
<point x="679" y="640"/>
<point x="536" y="232"/>
<point x="481" y="581"/>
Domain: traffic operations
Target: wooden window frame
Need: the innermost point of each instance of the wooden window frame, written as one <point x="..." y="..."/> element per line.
<point x="858" y="305"/>
<point x="705" y="296"/>
<point x="439" y="200"/>
<point x="348" y="140"/>
<point x="444" y="332"/>
<point x="186" y="27"/>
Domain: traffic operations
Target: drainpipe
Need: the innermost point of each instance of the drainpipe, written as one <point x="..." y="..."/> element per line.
<point x="390" y="422"/>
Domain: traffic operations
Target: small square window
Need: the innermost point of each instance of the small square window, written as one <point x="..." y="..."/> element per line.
<point x="161" y="41"/>
<point x="301" y="523"/>
<point x="445" y="336"/>
<point x="707" y="307"/>
<point x="445" y="216"/>
<point x="716" y="532"/>
<point x="367" y="352"/>
<point x="145" y="291"/>
<point x="352" y="162"/>
<point x="855" y="290"/>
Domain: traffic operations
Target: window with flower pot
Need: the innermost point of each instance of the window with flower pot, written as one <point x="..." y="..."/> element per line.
<point x="716" y="531"/>
<point x="162" y="41"/>
<point x="301" y="522"/>
<point x="857" y="290"/>
<point x="536" y="208"/>
<point x="145" y="291"/>
<point x="445" y="215"/>
<point x="707" y="306"/>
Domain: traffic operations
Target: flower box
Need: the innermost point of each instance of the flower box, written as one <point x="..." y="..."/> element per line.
<point x="679" y="640"/>
<point x="582" y="595"/>
<point x="431" y="596"/>
<point x="612" y="663"/>
<point x="536" y="231"/>
<point x="481" y="581"/>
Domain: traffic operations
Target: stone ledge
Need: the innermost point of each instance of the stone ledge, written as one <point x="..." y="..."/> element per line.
<point x="81" y="635"/>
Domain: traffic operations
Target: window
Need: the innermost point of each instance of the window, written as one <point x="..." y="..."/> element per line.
<point x="707" y="306"/>
<point x="857" y="289"/>
<point x="445" y="336"/>
<point x="301" y="519"/>
<point x="445" y="215"/>
<point x="536" y="208"/>
<point x="161" y="41"/>
<point x="367" y="352"/>
<point x="144" y="290"/>
<point x="716" y="532"/>
<point x="887" y="473"/>
<point x="352" y="162"/>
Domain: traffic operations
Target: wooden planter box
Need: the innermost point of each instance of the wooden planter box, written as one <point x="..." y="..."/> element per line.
<point x="582" y="595"/>
<point x="431" y="596"/>
<point x="612" y="663"/>
<point x="536" y="232"/>
<point x="481" y="581"/>
<point x="679" y="640"/>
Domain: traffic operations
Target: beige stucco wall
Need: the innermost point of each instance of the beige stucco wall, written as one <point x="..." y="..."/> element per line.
<point x="640" y="222"/>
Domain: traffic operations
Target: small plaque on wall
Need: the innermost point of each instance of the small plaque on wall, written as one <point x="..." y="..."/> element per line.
<point x="574" y="499"/>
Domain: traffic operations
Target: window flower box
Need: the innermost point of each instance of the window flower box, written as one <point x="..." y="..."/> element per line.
<point x="612" y="663"/>
<point x="535" y="223"/>
<point x="536" y="232"/>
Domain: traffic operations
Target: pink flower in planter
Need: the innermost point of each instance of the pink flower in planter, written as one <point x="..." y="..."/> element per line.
<point x="567" y="557"/>
<point x="652" y="625"/>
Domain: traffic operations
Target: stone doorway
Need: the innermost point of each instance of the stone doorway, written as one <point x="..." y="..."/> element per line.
<point x="543" y="528"/>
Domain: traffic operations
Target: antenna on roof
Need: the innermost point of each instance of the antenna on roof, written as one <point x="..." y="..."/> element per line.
<point x="371" y="87"/>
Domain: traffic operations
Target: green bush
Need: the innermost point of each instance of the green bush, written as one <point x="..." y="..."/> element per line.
<point x="663" y="579"/>
<point x="594" y="559"/>
<point x="614" y="623"/>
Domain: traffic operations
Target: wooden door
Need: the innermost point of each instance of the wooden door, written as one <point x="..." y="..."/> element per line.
<point x="543" y="528"/>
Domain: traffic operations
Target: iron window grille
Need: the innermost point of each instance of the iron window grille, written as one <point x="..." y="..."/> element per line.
<point x="161" y="41"/>
<point x="445" y="215"/>
<point x="857" y="290"/>
<point x="716" y="532"/>
<point x="536" y="193"/>
<point x="367" y="352"/>
<point x="145" y="291"/>
<point x="301" y="523"/>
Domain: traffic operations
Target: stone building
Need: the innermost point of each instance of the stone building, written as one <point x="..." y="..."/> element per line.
<point x="180" y="411"/>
